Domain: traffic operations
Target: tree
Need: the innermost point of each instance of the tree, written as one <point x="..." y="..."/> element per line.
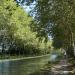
<point x="12" y="20"/>
<point x="57" y="18"/>
<point x="15" y="33"/>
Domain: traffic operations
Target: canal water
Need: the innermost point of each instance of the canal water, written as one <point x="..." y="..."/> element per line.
<point x="23" y="67"/>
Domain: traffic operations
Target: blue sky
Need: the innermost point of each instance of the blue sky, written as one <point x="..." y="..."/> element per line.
<point x="29" y="7"/>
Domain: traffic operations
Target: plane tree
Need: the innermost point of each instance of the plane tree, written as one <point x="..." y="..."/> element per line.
<point x="57" y="19"/>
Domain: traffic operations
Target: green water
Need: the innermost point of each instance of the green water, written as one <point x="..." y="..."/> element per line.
<point x="22" y="67"/>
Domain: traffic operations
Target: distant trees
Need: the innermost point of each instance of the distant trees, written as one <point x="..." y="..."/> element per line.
<point x="56" y="18"/>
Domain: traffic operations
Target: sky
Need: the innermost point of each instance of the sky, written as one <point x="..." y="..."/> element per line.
<point x="29" y="7"/>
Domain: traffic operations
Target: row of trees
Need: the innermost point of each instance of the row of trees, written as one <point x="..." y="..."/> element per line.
<point x="15" y="34"/>
<point x="57" y="19"/>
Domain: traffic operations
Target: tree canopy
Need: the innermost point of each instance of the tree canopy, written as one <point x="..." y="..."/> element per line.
<point x="56" y="18"/>
<point x="15" y="33"/>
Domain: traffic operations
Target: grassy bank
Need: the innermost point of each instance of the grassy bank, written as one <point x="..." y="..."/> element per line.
<point x="13" y="58"/>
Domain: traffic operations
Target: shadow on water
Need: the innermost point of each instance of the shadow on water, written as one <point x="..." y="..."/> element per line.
<point x="36" y="73"/>
<point x="40" y="73"/>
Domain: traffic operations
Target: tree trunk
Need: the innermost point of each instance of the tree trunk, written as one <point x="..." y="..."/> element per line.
<point x="73" y="44"/>
<point x="72" y="40"/>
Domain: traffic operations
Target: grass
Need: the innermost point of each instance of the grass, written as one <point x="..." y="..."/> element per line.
<point x="15" y="57"/>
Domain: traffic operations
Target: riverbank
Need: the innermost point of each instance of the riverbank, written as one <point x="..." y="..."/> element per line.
<point x="21" y="58"/>
<point x="63" y="67"/>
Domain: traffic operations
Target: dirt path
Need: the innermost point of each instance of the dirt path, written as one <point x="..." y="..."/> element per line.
<point x="63" y="68"/>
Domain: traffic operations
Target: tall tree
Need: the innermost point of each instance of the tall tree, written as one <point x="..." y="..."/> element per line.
<point x="56" y="17"/>
<point x="15" y="32"/>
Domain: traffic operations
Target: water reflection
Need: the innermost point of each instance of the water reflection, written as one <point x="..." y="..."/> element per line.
<point x="22" y="67"/>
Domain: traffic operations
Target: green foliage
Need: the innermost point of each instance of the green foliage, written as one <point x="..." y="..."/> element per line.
<point x="57" y="18"/>
<point x="15" y="31"/>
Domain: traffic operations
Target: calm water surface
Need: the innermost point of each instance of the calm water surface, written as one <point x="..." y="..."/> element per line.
<point x="22" y="67"/>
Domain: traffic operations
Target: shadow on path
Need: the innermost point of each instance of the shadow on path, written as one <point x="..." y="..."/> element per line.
<point x="62" y="68"/>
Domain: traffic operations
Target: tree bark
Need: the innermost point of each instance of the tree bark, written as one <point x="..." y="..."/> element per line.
<point x="73" y="44"/>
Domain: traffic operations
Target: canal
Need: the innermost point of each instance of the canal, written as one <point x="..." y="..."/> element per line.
<point x="23" y="66"/>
